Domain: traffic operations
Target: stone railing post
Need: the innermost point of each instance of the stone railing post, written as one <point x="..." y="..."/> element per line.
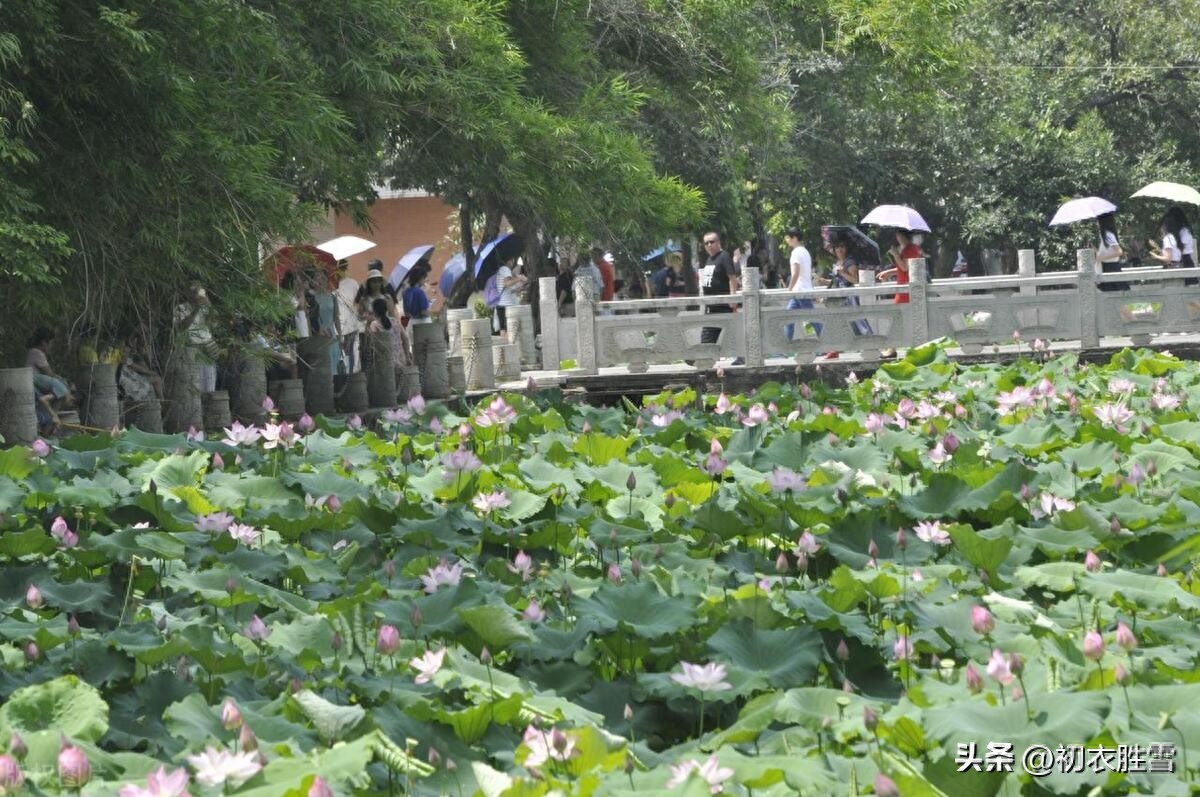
<point x="585" y="318"/>
<point x="918" y="300"/>
<point x="1027" y="267"/>
<point x="548" y="307"/>
<point x="18" y="406"/>
<point x="1089" y="298"/>
<point x="752" y="315"/>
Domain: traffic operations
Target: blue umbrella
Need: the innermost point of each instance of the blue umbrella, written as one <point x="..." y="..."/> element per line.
<point x="405" y="264"/>
<point x="487" y="250"/>
<point x="662" y="250"/>
<point x="453" y="269"/>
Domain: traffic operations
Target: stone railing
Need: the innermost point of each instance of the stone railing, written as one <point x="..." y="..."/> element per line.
<point x="1082" y="305"/>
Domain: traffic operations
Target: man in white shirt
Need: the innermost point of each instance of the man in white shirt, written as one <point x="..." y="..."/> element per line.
<point x="591" y="270"/>
<point x="801" y="277"/>
<point x="348" y="319"/>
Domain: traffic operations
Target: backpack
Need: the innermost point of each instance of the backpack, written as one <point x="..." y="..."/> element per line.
<point x="491" y="291"/>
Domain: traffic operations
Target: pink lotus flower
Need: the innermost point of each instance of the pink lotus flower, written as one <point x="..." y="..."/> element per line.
<point x="522" y="565"/>
<point x="443" y="575"/>
<point x="278" y="435"/>
<point x="268" y="404"/>
<point x="902" y="649"/>
<point x="998" y="668"/>
<point x="714" y="466"/>
<point x="874" y="423"/>
<point x="245" y="534"/>
<point x="1092" y="562"/>
<point x="916" y="576"/>
<point x="398" y="415"/>
<point x="355" y="423"/>
<point x="851" y="378"/>
<point x="552" y="746"/>
<point x="33" y="597"/>
<point x="906" y="408"/>
<point x="40" y="448"/>
<point x="806" y="544"/>
<point x="724" y="405"/>
<point x="932" y="532"/>
<point x="486" y="503"/>
<point x="756" y="416"/>
<point x="435" y="426"/>
<point x="1113" y="416"/>
<point x="885" y="786"/>
<point x="194" y="435"/>
<point x="417" y="404"/>
<point x="534" y="613"/>
<point x="256" y="629"/>
<point x="11" y="776"/>
<point x="614" y="572"/>
<point x="1093" y="645"/>
<point x="239" y="435"/>
<point x="387" y="641"/>
<point x="938" y="454"/>
<point x="1051" y="503"/>
<point x="785" y="480"/>
<point x="218" y="522"/>
<point x="982" y="620"/>
<point x="217" y="767"/>
<point x="427" y="665"/>
<point x="704" y="677"/>
<point x="74" y="769"/>
<point x="319" y="788"/>
<point x="1019" y="397"/>
<point x="458" y="462"/>
<point x="1125" y="638"/>
<point x="61" y="532"/>
<point x="711" y="772"/>
<point x="665" y="419"/>
<point x="974" y="679"/>
<point x="498" y="413"/>
<point x="1164" y="401"/>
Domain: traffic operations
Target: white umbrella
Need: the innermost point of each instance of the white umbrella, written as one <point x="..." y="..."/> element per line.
<point x="1175" y="192"/>
<point x="898" y="216"/>
<point x="406" y="262"/>
<point x="346" y="246"/>
<point x="1088" y="207"/>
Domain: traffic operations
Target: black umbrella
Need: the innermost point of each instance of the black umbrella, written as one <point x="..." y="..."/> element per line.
<point x="864" y="250"/>
<point x="494" y="253"/>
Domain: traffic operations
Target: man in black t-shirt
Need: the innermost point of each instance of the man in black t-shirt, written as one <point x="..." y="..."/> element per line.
<point x="718" y="276"/>
<point x="564" y="288"/>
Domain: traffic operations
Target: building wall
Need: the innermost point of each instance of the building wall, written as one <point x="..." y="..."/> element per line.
<point x="397" y="225"/>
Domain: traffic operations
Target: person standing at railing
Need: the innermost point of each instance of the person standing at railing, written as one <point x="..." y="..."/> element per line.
<point x="718" y="277"/>
<point x="675" y="280"/>
<point x="904" y="250"/>
<point x="801" y="278"/>
<point x="590" y="269"/>
<point x="1109" y="253"/>
<point x="1178" y="224"/>
<point x="1170" y="255"/>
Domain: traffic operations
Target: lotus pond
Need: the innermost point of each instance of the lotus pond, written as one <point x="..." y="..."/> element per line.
<point x="808" y="590"/>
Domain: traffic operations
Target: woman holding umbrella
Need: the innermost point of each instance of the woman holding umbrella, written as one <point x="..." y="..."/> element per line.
<point x="902" y="251"/>
<point x="1109" y="252"/>
<point x="1170" y="255"/>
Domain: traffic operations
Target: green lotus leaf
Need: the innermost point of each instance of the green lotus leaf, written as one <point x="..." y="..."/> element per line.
<point x="331" y="721"/>
<point x="497" y="626"/>
<point x="640" y="607"/>
<point x="65" y="705"/>
<point x="779" y="658"/>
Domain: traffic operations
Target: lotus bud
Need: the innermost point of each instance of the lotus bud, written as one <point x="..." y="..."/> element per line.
<point x="802" y="562"/>
<point x="885" y="786"/>
<point x="17" y="746"/>
<point x="337" y="642"/>
<point x="40" y="448"/>
<point x="295" y="685"/>
<point x="450" y="765"/>
<point x="434" y="757"/>
<point x="669" y="501"/>
<point x="231" y="716"/>
<point x="415" y="618"/>
<point x="334" y="503"/>
<point x="1135" y="476"/>
<point x="567" y="592"/>
<point x="631" y="482"/>
<point x="629" y="763"/>
<point x="389" y="569"/>
<point x="559" y="741"/>
<point x="612" y="536"/>
<point x="847" y="687"/>
<point x="485" y="656"/>
<point x="1026" y="493"/>
<point x="217" y="462"/>
<point x="74" y="769"/>
<point x="614" y="573"/>
<point x="388" y="639"/>
<point x="1118" y="481"/>
<point x="901" y="539"/>
<point x="182" y="671"/>
<point x="32" y="652"/>
<point x="1093" y="645"/>
<point x="1016" y="664"/>
<point x="319" y="788"/>
<point x="531" y="386"/>
<point x="33" y="597"/>
<point x="1074" y="468"/>
<point x="1125" y="637"/>
<point x="635" y="567"/>
<point x="872" y="550"/>
<point x="870" y="719"/>
<point x="781" y="563"/>
<point x="805" y="390"/>
<point x="306" y="423"/>
<point x="247" y="741"/>
<point x="73" y="625"/>
<point x="153" y="488"/>
<point x="1151" y="468"/>
<point x="1121" y="673"/>
<point x="1162" y="569"/>
<point x="982" y="620"/>
<point x="843" y="651"/>
<point x="1114" y="525"/>
<point x="1017" y="694"/>
<point x="406" y="456"/>
<point x="587" y="427"/>
<point x="1091" y="562"/>
<point x="974" y="679"/>
<point x="627" y="713"/>
<point x="231" y="585"/>
<point x="658" y="551"/>
<point x="950" y="442"/>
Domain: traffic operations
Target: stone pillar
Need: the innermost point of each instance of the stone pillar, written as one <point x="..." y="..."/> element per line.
<point x="380" y="368"/>
<point x="216" y="410"/>
<point x="454" y="316"/>
<point x="147" y="415"/>
<point x="288" y="395"/>
<point x="548" y="306"/>
<point x="248" y="390"/>
<point x="409" y="382"/>
<point x="520" y="332"/>
<point x="1089" y="298"/>
<point x="355" y="397"/>
<point x="317" y="373"/>
<point x="752" y="315"/>
<point x="477" y="353"/>
<point x="585" y="319"/>
<point x="103" y="402"/>
<point x="429" y="353"/>
<point x="458" y="373"/>
<point x="918" y="302"/>
<point x="181" y="393"/>
<point x="1027" y="267"/>
<point x="507" y="360"/>
<point x="18" y="411"/>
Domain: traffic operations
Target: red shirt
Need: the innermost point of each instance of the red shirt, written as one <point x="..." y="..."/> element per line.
<point x="609" y="277"/>
<point x="910" y="252"/>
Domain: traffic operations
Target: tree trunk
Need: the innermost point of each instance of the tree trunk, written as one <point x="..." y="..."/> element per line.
<point x="466" y="224"/>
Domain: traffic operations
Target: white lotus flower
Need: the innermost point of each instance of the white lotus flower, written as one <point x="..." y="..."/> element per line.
<point x="218" y="767"/>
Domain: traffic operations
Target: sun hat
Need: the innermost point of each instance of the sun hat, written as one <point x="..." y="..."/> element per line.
<point x="374" y="274"/>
